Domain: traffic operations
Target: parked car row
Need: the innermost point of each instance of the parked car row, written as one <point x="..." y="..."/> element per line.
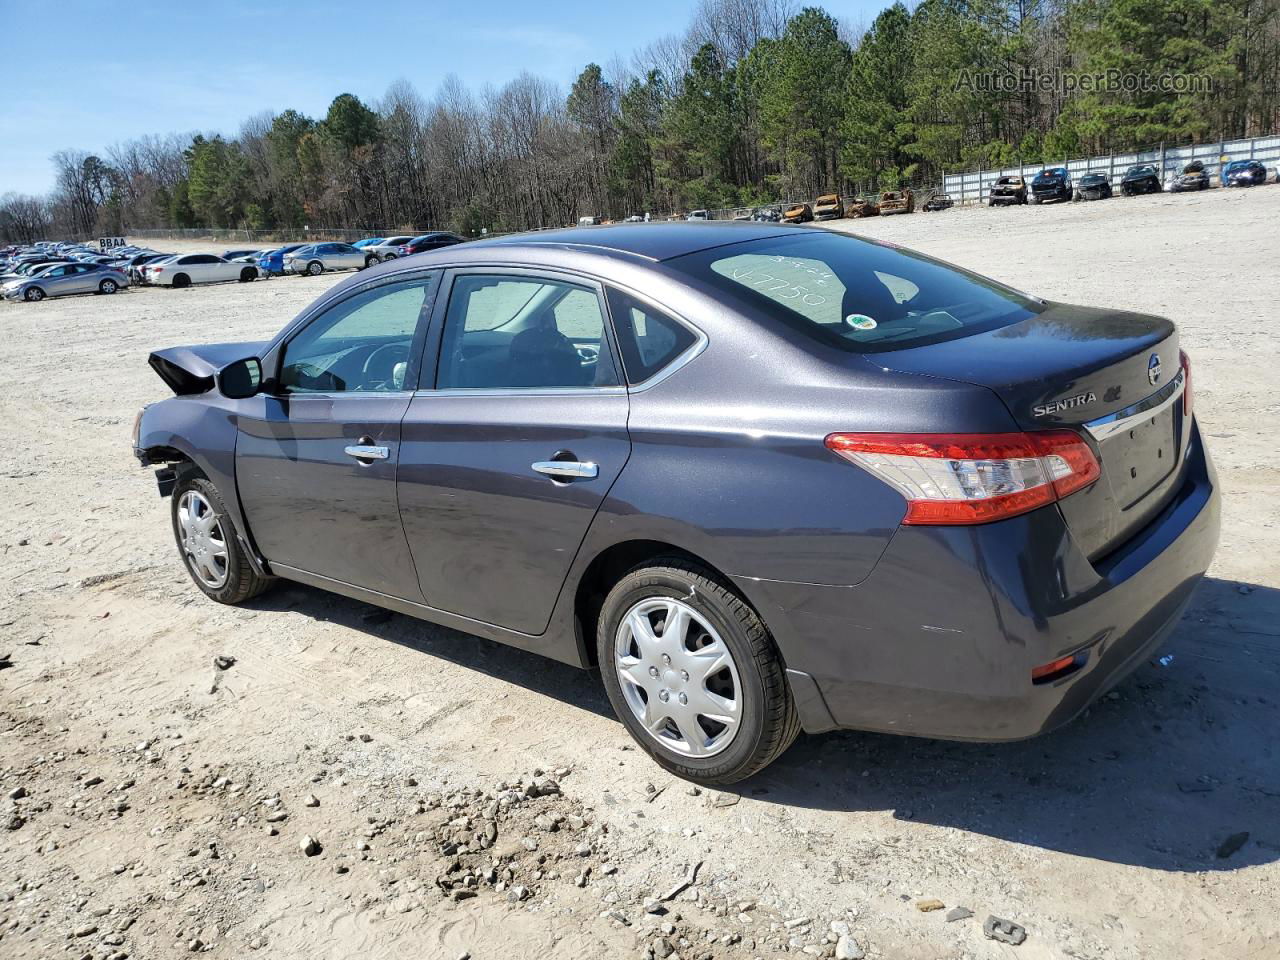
<point x="1055" y="183"/>
<point x="48" y="269"/>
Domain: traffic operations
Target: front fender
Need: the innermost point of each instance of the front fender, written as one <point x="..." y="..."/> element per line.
<point x="202" y="430"/>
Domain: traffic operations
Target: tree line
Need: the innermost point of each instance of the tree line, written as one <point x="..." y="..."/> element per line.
<point x="758" y="100"/>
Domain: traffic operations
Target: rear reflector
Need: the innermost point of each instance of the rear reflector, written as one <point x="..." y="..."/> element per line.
<point x="1186" y="382"/>
<point x="1057" y="669"/>
<point x="969" y="478"/>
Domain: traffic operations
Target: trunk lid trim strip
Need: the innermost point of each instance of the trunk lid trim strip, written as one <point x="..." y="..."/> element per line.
<point x="1149" y="406"/>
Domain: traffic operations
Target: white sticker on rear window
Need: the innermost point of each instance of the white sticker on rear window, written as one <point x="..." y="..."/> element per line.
<point x="860" y="321"/>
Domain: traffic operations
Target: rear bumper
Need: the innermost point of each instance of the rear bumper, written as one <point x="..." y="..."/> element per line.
<point x="940" y="640"/>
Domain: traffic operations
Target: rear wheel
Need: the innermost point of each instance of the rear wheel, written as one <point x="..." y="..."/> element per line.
<point x="107" y="286"/>
<point x="208" y="545"/>
<point x="248" y="274"/>
<point x="315" y="268"/>
<point x="33" y="295"/>
<point x="369" y="261"/>
<point x="693" y="673"/>
<point x="182" y="280"/>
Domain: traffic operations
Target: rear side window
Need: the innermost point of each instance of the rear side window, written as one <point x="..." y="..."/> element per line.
<point x="510" y="332"/>
<point x="648" y="339"/>
<point x="855" y="294"/>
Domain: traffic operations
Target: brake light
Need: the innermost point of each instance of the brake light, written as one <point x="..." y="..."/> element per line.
<point x="1186" y="382"/>
<point x="968" y="478"/>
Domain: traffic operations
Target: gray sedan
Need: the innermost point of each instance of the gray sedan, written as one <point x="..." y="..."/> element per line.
<point x="66" y="278"/>
<point x="319" y="257"/>
<point x="764" y="478"/>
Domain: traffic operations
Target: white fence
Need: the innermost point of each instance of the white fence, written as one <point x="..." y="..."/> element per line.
<point x="1169" y="161"/>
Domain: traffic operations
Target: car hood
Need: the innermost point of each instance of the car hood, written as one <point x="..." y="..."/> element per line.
<point x="189" y="370"/>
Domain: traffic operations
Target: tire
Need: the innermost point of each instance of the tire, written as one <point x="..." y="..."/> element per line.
<point x="33" y="295"/>
<point x="215" y="559"/>
<point x="108" y="286"/>
<point x="388" y="256"/>
<point x="248" y="275"/>
<point x="181" y="281"/>
<point x="752" y="678"/>
<point x="370" y="261"/>
<point x="315" y="268"/>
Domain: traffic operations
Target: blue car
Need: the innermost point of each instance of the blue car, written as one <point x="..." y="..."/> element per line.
<point x="272" y="262"/>
<point x="1243" y="173"/>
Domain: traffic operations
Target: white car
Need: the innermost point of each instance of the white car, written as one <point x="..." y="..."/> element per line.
<point x="389" y="248"/>
<point x="192" y="268"/>
<point x="316" y="258"/>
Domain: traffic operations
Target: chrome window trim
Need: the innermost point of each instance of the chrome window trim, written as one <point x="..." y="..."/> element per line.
<point x="523" y="392"/>
<point x="1149" y="406"/>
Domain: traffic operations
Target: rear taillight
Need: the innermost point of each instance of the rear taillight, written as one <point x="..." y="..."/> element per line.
<point x="1186" y="382"/>
<point x="969" y="478"/>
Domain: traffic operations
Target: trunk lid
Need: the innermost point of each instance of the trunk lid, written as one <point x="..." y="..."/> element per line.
<point x="1111" y="375"/>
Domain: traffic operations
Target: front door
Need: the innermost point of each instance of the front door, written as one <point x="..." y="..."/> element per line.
<point x="505" y="463"/>
<point x="316" y="462"/>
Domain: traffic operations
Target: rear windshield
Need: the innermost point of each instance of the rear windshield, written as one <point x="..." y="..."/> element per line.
<point x="855" y="294"/>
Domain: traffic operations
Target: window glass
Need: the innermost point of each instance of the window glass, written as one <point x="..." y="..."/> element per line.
<point x="511" y="332"/>
<point x="361" y="344"/>
<point x="647" y="338"/>
<point x="857" y="294"/>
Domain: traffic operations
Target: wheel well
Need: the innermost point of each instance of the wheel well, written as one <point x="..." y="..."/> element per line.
<point x="610" y="566"/>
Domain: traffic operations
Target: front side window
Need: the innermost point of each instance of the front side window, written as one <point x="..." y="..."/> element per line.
<point x="648" y="339"/>
<point x="362" y="344"/>
<point x="509" y="332"/>
<point x="855" y="294"/>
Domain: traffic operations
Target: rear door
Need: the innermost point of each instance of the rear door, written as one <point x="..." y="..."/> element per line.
<point x="316" y="463"/>
<point x="506" y="461"/>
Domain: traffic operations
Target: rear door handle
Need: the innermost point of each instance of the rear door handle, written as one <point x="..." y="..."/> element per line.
<point x="567" y="469"/>
<point x="362" y="451"/>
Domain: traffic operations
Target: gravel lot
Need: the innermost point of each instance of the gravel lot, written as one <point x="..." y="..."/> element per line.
<point x="157" y="805"/>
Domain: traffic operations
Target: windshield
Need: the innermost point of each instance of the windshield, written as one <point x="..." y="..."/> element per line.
<point x="1055" y="172"/>
<point x="856" y="294"/>
<point x="1139" y="171"/>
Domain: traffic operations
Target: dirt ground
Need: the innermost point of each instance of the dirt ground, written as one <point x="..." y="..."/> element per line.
<point x="462" y="798"/>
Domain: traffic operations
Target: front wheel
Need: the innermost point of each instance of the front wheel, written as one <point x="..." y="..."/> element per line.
<point x="33" y="295"/>
<point x="693" y="673"/>
<point x="208" y="545"/>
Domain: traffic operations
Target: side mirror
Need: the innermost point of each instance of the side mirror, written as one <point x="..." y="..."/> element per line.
<point x="241" y="379"/>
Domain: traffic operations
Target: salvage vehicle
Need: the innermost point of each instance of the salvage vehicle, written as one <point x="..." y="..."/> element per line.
<point x="766" y="215"/>
<point x="315" y="258"/>
<point x="867" y="205"/>
<point x="937" y="202"/>
<point x="388" y="249"/>
<point x="1094" y="186"/>
<point x="797" y="213"/>
<point x="929" y="504"/>
<point x="1193" y="177"/>
<point x="1053" y="183"/>
<point x="1007" y="190"/>
<point x="62" y="279"/>
<point x="828" y="207"/>
<point x="897" y="201"/>
<point x="1141" y="178"/>
<point x="1243" y="173"/>
<point x="192" y="268"/>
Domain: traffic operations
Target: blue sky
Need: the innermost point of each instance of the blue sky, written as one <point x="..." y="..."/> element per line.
<point x="107" y="72"/>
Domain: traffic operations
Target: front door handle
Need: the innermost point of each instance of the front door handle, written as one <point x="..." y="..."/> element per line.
<point x="364" y="451"/>
<point x="567" y="469"/>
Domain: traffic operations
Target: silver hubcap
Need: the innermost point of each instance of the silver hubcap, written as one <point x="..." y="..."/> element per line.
<point x="678" y="677"/>
<point x="203" y="542"/>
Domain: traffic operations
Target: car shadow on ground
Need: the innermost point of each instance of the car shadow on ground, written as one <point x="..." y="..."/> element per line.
<point x="1167" y="772"/>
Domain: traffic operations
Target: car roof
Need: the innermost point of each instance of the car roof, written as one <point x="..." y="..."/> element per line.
<point x="652" y="241"/>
